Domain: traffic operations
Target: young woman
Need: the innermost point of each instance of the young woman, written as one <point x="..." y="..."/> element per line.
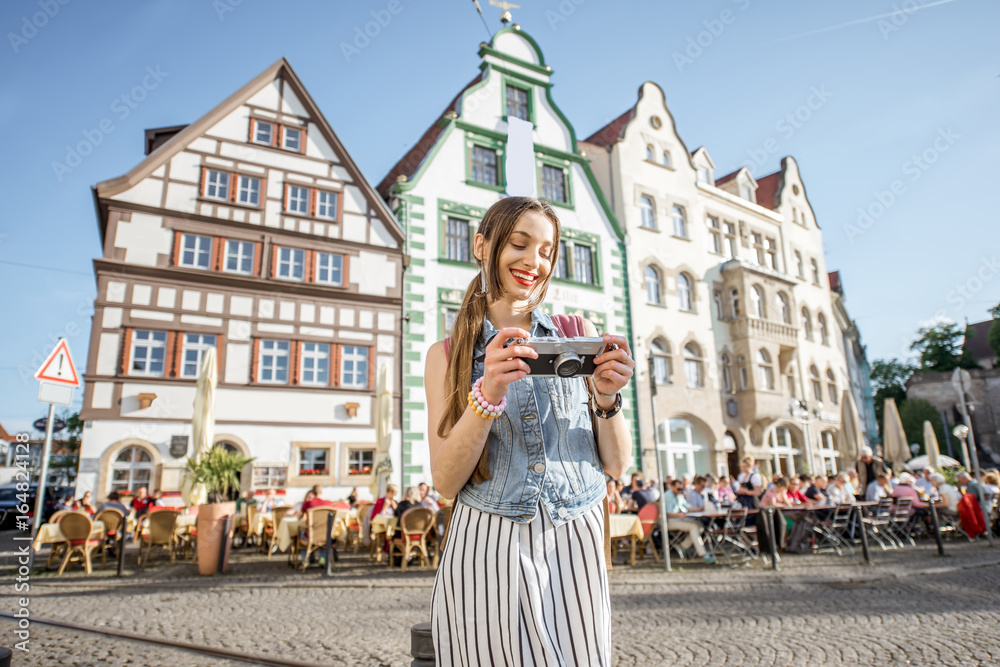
<point x="522" y="579"/>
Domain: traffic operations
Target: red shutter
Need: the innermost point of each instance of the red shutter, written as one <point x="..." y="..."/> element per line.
<point x="340" y="205"/>
<point x="177" y="248"/>
<point x="217" y="245"/>
<point x="344" y="273"/>
<point x="294" y="353"/>
<point x="284" y="202"/>
<point x="371" y="367"/>
<point x="258" y="256"/>
<point x="254" y="355"/>
<point x="310" y="266"/>
<point x="126" y="353"/>
<point x="313" y="195"/>
<point x="204" y="180"/>
<point x="274" y="261"/>
<point x="169" y="369"/>
<point x="234" y="183"/>
<point x="302" y="140"/>
<point x="334" y="365"/>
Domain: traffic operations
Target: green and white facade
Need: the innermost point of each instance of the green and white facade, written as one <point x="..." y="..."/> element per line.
<point x="442" y="187"/>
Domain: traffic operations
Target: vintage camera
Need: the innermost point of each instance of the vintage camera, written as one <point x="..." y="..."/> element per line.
<point x="562" y="357"/>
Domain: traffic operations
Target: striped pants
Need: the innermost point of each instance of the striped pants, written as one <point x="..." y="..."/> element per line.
<point x="517" y="594"/>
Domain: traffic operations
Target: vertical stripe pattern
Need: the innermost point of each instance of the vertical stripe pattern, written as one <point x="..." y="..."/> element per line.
<point x="517" y="594"/>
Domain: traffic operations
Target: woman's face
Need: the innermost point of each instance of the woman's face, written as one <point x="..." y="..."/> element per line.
<point x="526" y="257"/>
<point x="86" y="496"/>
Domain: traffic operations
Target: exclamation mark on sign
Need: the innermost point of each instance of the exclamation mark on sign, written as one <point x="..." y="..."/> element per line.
<point x="59" y="372"/>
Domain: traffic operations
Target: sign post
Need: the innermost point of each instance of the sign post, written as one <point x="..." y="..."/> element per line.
<point x="57" y="380"/>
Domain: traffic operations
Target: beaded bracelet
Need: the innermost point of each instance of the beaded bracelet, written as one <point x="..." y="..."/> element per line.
<point x="484" y="408"/>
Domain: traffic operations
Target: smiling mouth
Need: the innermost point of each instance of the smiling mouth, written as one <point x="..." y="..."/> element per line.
<point x="526" y="279"/>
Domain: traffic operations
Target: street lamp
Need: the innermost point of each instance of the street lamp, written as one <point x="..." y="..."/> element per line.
<point x="799" y="409"/>
<point x="962" y="433"/>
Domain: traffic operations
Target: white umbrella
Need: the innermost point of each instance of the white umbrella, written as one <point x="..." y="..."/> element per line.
<point x="931" y="445"/>
<point x="920" y="462"/>
<point x="894" y="444"/>
<point x="850" y="428"/>
<point x="202" y="423"/>
<point x="383" y="432"/>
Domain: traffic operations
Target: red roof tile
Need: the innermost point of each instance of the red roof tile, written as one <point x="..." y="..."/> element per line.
<point x="728" y="177"/>
<point x="611" y="132"/>
<point x="415" y="156"/>
<point x="835" y="285"/>
<point x="4" y="435"/>
<point x="767" y="190"/>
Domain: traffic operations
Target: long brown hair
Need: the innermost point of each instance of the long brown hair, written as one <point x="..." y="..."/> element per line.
<point x="496" y="227"/>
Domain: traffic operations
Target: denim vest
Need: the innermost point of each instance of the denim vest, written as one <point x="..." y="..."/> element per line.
<point x="542" y="448"/>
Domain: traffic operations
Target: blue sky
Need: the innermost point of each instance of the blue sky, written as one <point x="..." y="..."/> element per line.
<point x="910" y="103"/>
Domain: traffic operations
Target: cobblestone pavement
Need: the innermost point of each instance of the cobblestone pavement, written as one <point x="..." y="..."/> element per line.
<point x="911" y="608"/>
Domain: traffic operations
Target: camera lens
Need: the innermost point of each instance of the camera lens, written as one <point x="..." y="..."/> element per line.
<point x="567" y="364"/>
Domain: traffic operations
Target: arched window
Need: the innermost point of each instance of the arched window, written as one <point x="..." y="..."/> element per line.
<point x="807" y="326"/>
<point x="727" y="375"/>
<point x="783" y="309"/>
<point x="824" y="336"/>
<point x="814" y="380"/>
<point x="131" y="469"/>
<point x="734" y="302"/>
<point x="679" y="221"/>
<point x="831" y="386"/>
<point x="684" y="292"/>
<point x="692" y="365"/>
<point x="654" y="286"/>
<point x="660" y="349"/>
<point x="757" y="303"/>
<point x="666" y="159"/>
<point x="765" y="371"/>
<point x="650" y="153"/>
<point x="648" y="211"/>
<point x="741" y="361"/>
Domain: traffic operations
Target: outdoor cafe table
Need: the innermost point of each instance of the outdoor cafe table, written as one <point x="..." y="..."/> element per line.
<point x="291" y="525"/>
<point x="626" y="525"/>
<point x="712" y="541"/>
<point x="51" y="533"/>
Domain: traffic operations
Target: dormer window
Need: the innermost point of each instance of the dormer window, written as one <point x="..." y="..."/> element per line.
<point x="704" y="176"/>
<point x="263" y="133"/>
<point x="746" y="192"/>
<point x="517" y="103"/>
<point x="291" y="139"/>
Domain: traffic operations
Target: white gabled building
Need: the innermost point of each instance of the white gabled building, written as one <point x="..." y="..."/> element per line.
<point x="447" y="181"/>
<point x="253" y="231"/>
<point x="731" y="299"/>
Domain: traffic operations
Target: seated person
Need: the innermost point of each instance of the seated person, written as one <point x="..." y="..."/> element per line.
<point x="841" y="492"/>
<point x="386" y="505"/>
<point x="907" y="488"/>
<point x="879" y="488"/>
<point x="817" y="493"/>
<point x="949" y="495"/>
<point x="724" y="491"/>
<point x="640" y="498"/>
<point x="156" y="499"/>
<point x="67" y="503"/>
<point x="777" y="494"/>
<point x="991" y="483"/>
<point x="352" y="497"/>
<point x="268" y="502"/>
<point x="695" y="496"/>
<point x="84" y="504"/>
<point x="427" y="497"/>
<point x="677" y="509"/>
<point x="615" y="503"/>
<point x="925" y="484"/>
<point x="297" y="508"/>
<point x="113" y="502"/>
<point x="411" y="499"/>
<point x="244" y="500"/>
<point x="141" y="502"/>
<point x="795" y="486"/>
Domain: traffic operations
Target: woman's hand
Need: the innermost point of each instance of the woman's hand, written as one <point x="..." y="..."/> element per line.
<point x="614" y="367"/>
<point x="504" y="365"/>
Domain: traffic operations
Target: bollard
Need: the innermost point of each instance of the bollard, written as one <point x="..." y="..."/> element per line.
<point x="5" y="656"/>
<point x="864" y="535"/>
<point x="771" y="539"/>
<point x="224" y="543"/>
<point x="121" y="548"/>
<point x="329" y="544"/>
<point x="422" y="645"/>
<point x="937" y="529"/>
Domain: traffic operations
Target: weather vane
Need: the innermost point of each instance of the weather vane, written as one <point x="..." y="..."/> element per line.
<point x="505" y="17"/>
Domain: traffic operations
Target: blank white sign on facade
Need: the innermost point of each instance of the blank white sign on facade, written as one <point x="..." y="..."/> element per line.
<point x="520" y="158"/>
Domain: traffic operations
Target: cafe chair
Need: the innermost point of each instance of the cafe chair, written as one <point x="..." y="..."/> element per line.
<point x="114" y="522"/>
<point x="315" y="533"/>
<point x="649" y="518"/>
<point x="58" y="548"/>
<point x="77" y="528"/>
<point x="269" y="536"/>
<point x="831" y="533"/>
<point x="877" y="524"/>
<point x="159" y="531"/>
<point x="444" y="522"/>
<point x="899" y="525"/>
<point x="414" y="525"/>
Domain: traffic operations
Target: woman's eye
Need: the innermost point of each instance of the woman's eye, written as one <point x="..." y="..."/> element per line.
<point x="519" y="247"/>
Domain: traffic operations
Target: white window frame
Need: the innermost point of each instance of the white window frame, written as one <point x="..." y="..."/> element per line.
<point x="354" y="354"/>
<point x="198" y="344"/>
<point x="331" y="263"/>
<point x="685" y="292"/>
<point x="326" y="209"/>
<point x="678" y="219"/>
<point x="359" y="450"/>
<point x="667" y="161"/>
<point x="654" y="286"/>
<point x="814" y="266"/>
<point x="269" y="355"/>
<point x="647" y="211"/>
<point x="824" y="334"/>
<point x="202" y="250"/>
<point x="217" y="184"/>
<point x="248" y="190"/>
<point x="480" y="169"/>
<point x="296" y="257"/>
<point x="456" y="243"/>
<point x="660" y="351"/>
<point x="148" y="340"/>
<point x="715" y="232"/>
<point x="315" y="364"/>
<point x="720" y="314"/>
<point x="757" y="306"/>
<point x="800" y="265"/>
<point x="583" y="272"/>
<point x="517" y="102"/>
<point x="731" y="250"/>
<point x="292" y="200"/>
<point x="693" y="367"/>
<point x="285" y="143"/>
<point x="784" y="308"/>
<point x="548" y="184"/>
<point x="271" y="127"/>
<point x="765" y="370"/>
<point x="133" y="482"/>
<point x="734" y="302"/>
<point x="243" y="253"/>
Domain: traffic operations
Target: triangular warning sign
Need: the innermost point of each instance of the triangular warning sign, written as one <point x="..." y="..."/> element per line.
<point x="59" y="367"/>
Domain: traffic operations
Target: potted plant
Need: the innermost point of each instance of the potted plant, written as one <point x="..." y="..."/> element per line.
<point x="219" y="470"/>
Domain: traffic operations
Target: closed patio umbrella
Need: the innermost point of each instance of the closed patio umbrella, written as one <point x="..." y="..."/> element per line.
<point x="894" y="444"/>
<point x="383" y="432"/>
<point x="202" y="424"/>
<point x="931" y="445"/>
<point x="850" y="429"/>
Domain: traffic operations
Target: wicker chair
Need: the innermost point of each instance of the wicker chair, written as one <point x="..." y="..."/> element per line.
<point x="247" y="528"/>
<point x="315" y="533"/>
<point x="58" y="548"/>
<point x="160" y="532"/>
<point x="444" y="520"/>
<point x="269" y="536"/>
<point x="414" y="526"/>
<point x="77" y="527"/>
<point x="114" y="523"/>
<point x="354" y="526"/>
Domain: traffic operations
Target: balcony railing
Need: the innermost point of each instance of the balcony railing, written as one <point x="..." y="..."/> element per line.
<point x="755" y="327"/>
